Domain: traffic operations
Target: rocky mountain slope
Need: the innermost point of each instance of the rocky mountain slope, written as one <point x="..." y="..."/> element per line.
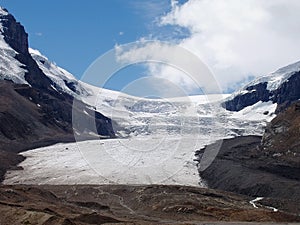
<point x="267" y="167"/>
<point x="32" y="108"/>
<point x="281" y="141"/>
<point x="33" y="112"/>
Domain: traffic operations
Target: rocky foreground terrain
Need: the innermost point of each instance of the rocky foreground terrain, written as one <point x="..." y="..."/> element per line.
<point x="121" y="204"/>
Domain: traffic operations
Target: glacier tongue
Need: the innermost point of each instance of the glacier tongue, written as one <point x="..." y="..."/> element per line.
<point x="159" y="148"/>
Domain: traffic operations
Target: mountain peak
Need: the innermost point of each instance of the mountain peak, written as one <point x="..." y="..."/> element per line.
<point x="35" y="52"/>
<point x="3" y="11"/>
<point x="13" y="32"/>
<point x="294" y="67"/>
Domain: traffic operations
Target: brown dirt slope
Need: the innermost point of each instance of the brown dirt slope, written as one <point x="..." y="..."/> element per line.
<point x="281" y="140"/>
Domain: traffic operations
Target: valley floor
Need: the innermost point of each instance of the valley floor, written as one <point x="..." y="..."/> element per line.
<point x="130" y="204"/>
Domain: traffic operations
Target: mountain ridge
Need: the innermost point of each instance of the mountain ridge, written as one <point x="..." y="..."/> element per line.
<point x="279" y="87"/>
<point x="33" y="113"/>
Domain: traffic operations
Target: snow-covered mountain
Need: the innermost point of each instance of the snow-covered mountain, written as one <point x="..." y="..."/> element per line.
<point x="140" y="116"/>
<point x="161" y="134"/>
<point x="133" y="115"/>
<point x="35" y="110"/>
<point x="62" y="79"/>
<point x="11" y="68"/>
<point x="124" y="108"/>
<point x="280" y="87"/>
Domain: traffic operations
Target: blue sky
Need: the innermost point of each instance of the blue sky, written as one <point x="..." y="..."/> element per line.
<point x="237" y="40"/>
<point x="74" y="33"/>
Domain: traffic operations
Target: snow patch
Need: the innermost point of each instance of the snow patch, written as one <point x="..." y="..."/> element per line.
<point x="274" y="80"/>
<point x="35" y="52"/>
<point x="163" y="136"/>
<point x="10" y="68"/>
<point x="260" y="111"/>
<point x="58" y="75"/>
<point x="54" y="88"/>
<point x="252" y="202"/>
<point x="278" y="77"/>
<point x="3" y="11"/>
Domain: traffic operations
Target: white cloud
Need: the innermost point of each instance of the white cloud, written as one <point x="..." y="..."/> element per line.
<point x="171" y="63"/>
<point x="149" y="9"/>
<point x="39" y="34"/>
<point x="239" y="38"/>
<point x="236" y="39"/>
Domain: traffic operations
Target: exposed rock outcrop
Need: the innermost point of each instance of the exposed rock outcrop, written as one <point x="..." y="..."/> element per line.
<point x="14" y="33"/>
<point x="288" y="93"/>
<point x="254" y="94"/>
<point x="281" y="141"/>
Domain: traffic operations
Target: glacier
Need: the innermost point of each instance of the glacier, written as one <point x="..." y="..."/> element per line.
<point x="156" y="138"/>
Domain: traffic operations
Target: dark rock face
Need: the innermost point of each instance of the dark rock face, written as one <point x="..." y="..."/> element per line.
<point x="14" y="34"/>
<point x="33" y="118"/>
<point x="285" y="95"/>
<point x="256" y="93"/>
<point x="37" y="115"/>
<point x="71" y="86"/>
<point x="16" y="37"/>
<point x="288" y="93"/>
